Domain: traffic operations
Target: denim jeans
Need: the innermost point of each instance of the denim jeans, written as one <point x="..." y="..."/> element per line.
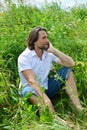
<point x="55" y="83"/>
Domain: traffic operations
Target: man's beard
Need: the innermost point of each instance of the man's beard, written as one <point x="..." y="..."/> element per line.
<point x="45" y="47"/>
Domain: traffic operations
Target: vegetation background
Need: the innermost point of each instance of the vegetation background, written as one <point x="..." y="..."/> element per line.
<point x="68" y="32"/>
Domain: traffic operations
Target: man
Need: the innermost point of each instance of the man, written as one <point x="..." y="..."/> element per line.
<point x="34" y="65"/>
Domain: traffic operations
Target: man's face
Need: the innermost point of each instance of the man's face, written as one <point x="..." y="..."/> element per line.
<point x="42" y="42"/>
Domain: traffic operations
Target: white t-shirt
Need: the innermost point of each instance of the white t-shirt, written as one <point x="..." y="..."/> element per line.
<point x="28" y="59"/>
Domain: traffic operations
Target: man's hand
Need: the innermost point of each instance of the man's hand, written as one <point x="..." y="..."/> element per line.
<point x="48" y="102"/>
<point x="50" y="47"/>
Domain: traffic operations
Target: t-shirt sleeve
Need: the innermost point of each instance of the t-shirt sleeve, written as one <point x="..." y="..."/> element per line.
<point x="54" y="58"/>
<point x="23" y="63"/>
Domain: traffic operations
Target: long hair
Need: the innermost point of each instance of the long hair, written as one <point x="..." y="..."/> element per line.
<point x="33" y="37"/>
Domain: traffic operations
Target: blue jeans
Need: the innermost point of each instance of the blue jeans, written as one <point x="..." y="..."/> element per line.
<point x="55" y="83"/>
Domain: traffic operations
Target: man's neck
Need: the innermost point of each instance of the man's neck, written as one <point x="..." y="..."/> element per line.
<point x="39" y="52"/>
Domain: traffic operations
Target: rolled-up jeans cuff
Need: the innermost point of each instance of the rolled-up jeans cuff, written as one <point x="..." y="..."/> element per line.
<point x="68" y="71"/>
<point x="25" y="90"/>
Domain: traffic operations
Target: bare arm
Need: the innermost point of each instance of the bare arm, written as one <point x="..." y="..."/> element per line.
<point x="30" y="77"/>
<point x="65" y="60"/>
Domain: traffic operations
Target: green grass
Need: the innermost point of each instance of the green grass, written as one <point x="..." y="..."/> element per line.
<point x="67" y="32"/>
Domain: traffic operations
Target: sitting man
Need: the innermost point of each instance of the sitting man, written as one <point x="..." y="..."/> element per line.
<point x="34" y="65"/>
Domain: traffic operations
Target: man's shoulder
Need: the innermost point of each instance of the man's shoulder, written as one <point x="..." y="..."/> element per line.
<point x="50" y="54"/>
<point x="26" y="51"/>
<point x="24" y="54"/>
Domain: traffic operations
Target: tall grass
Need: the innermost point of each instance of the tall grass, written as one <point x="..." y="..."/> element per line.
<point x="68" y="32"/>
